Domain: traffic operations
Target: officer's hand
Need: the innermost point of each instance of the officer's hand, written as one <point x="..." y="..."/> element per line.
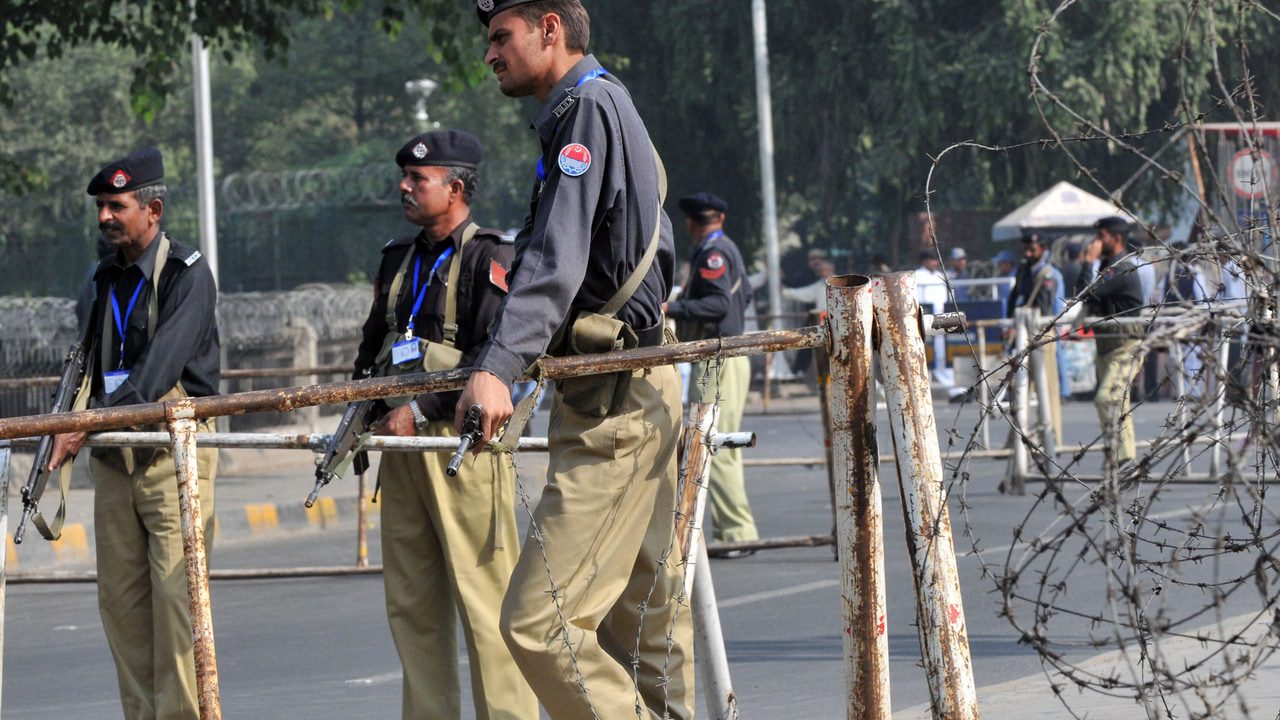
<point x="487" y="391"/>
<point x="65" y="445"/>
<point x="398" y="422"/>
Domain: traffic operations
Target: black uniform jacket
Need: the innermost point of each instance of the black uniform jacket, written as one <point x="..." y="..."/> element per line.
<point x="710" y="297"/>
<point x="482" y="285"/>
<point x="588" y="224"/>
<point x="1117" y="293"/>
<point x="185" y="347"/>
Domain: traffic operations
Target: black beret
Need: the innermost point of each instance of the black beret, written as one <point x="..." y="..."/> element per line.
<point x="133" y="171"/>
<point x="1114" y="224"/>
<point x="453" y="148"/>
<point x="486" y="9"/>
<point x="695" y="204"/>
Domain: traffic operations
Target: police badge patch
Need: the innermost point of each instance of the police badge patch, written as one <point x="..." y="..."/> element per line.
<point x="575" y="159"/>
<point x="120" y="179"/>
<point x="485" y="5"/>
<point x="715" y="269"/>
<point x="420" y="151"/>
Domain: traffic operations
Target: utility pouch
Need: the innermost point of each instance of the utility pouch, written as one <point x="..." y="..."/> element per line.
<point x="597" y="395"/>
<point x="432" y="356"/>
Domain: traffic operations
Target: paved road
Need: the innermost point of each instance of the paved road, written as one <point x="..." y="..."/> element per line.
<point x="320" y="648"/>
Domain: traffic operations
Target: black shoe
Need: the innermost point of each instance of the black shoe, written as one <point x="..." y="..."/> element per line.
<point x="732" y="554"/>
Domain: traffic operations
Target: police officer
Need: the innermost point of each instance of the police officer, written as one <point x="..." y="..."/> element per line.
<point x="1039" y="284"/>
<point x="594" y="262"/>
<point x="714" y="304"/>
<point x="448" y="543"/>
<point x="1115" y="293"/>
<point x="154" y="338"/>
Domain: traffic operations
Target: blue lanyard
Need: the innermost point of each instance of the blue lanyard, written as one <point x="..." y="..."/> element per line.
<point x="121" y="324"/>
<point x="542" y="167"/>
<point x="713" y="236"/>
<point x="422" y="295"/>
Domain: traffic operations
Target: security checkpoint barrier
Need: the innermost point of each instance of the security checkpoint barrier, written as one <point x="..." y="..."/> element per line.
<point x="901" y="331"/>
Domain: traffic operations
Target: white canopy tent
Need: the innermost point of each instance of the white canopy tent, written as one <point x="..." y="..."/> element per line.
<point x="1063" y="207"/>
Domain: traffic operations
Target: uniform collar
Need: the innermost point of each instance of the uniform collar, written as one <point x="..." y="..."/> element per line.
<point x="146" y="263"/>
<point x="544" y="121"/>
<point x="453" y="239"/>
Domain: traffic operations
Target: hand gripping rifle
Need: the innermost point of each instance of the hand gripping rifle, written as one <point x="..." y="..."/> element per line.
<point x="471" y="436"/>
<point x="344" y="447"/>
<point x="73" y="371"/>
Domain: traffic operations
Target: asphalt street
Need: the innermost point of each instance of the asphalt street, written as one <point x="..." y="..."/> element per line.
<point x="320" y="648"/>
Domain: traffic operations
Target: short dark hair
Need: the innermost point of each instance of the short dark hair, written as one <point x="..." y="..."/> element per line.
<point x="470" y="177"/>
<point x="573" y="17"/>
<point x="1113" y="224"/>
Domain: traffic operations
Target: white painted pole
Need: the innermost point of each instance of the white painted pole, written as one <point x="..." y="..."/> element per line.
<point x="4" y="552"/>
<point x="1022" y="408"/>
<point x="768" y="189"/>
<point x="204" y="153"/>
<point x="1040" y="371"/>
<point x="712" y="659"/>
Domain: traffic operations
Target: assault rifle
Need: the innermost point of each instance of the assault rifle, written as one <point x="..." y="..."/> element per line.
<point x="471" y="436"/>
<point x="73" y="370"/>
<point x="344" y="447"/>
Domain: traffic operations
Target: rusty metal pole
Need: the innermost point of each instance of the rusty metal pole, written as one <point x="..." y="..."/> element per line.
<point x="182" y="429"/>
<point x="822" y="363"/>
<point x="695" y="473"/>
<point x="1219" y="402"/>
<point x="362" y="523"/>
<point x="5" y="456"/>
<point x="939" y="607"/>
<point x="984" y="392"/>
<point x="853" y="458"/>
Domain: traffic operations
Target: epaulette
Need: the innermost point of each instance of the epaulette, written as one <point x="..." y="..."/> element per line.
<point x="397" y="242"/>
<point x="187" y="254"/>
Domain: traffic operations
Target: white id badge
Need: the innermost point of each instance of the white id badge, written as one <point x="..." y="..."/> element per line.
<point x="112" y="381"/>
<point x="405" y="351"/>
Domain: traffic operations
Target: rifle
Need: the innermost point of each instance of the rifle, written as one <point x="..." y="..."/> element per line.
<point x="471" y="435"/>
<point x="344" y="447"/>
<point x="73" y="370"/>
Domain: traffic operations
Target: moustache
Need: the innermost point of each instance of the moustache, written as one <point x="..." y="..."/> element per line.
<point x="110" y="227"/>
<point x="408" y="201"/>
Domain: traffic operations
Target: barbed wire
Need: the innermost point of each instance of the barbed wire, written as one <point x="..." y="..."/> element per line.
<point x="1174" y="592"/>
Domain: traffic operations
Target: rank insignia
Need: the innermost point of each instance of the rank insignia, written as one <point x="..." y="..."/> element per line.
<point x="498" y="275"/>
<point x="485" y="5"/>
<point x="420" y="151"/>
<point x="120" y="179"/>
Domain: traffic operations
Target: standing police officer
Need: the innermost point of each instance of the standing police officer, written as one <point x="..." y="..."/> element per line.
<point x="448" y="543"/>
<point x="154" y="338"/>
<point x="713" y="305"/>
<point x="596" y="584"/>
<point x="1115" y="293"/>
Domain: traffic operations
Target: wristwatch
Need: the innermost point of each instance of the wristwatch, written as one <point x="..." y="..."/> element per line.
<point x="419" y="420"/>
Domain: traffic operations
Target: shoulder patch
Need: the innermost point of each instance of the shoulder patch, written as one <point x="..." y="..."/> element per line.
<point x="192" y="258"/>
<point x="574" y="159"/>
<point x="498" y="275"/>
<point x="713" y="267"/>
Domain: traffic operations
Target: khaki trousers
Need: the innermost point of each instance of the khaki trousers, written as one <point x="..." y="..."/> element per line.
<point x="1117" y="367"/>
<point x="441" y="562"/>
<point x="731" y="518"/>
<point x="603" y="533"/>
<point x="142" y="583"/>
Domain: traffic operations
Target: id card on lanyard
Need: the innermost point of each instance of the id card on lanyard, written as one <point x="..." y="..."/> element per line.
<point x="113" y="379"/>
<point x="408" y="349"/>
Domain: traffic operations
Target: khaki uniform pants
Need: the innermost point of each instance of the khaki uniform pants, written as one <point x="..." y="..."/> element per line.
<point x="1116" y="370"/>
<point x="441" y="563"/>
<point x="606" y="525"/>
<point x="142" y="583"/>
<point x="731" y="518"/>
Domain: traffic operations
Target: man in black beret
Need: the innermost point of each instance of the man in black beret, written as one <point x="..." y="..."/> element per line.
<point x="713" y="304"/>
<point x="448" y="543"/>
<point x="595" y="262"/>
<point x="154" y="337"/>
<point x="1116" y="292"/>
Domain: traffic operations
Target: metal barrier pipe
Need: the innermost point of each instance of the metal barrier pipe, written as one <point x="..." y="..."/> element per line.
<point x="939" y="606"/>
<point x="1040" y="371"/>
<point x="317" y="442"/>
<point x="182" y="430"/>
<point x="853" y="456"/>
<point x="984" y="390"/>
<point x="695" y="473"/>
<point x="717" y="686"/>
<point x="4" y="533"/>
<point x="1022" y="404"/>
<point x="362" y="522"/>
<point x="1219" y="404"/>
<point x="293" y="398"/>
<point x="238" y="374"/>
<point x="822" y="363"/>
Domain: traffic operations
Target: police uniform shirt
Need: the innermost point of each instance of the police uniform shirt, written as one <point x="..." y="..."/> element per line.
<point x="590" y="221"/>
<point x="185" y="346"/>
<point x="1025" y="281"/>
<point x="710" y="296"/>
<point x="482" y="285"/>
<point x="1118" y="290"/>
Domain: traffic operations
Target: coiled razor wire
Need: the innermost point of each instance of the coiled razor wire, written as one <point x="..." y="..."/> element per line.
<point x="1184" y="603"/>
